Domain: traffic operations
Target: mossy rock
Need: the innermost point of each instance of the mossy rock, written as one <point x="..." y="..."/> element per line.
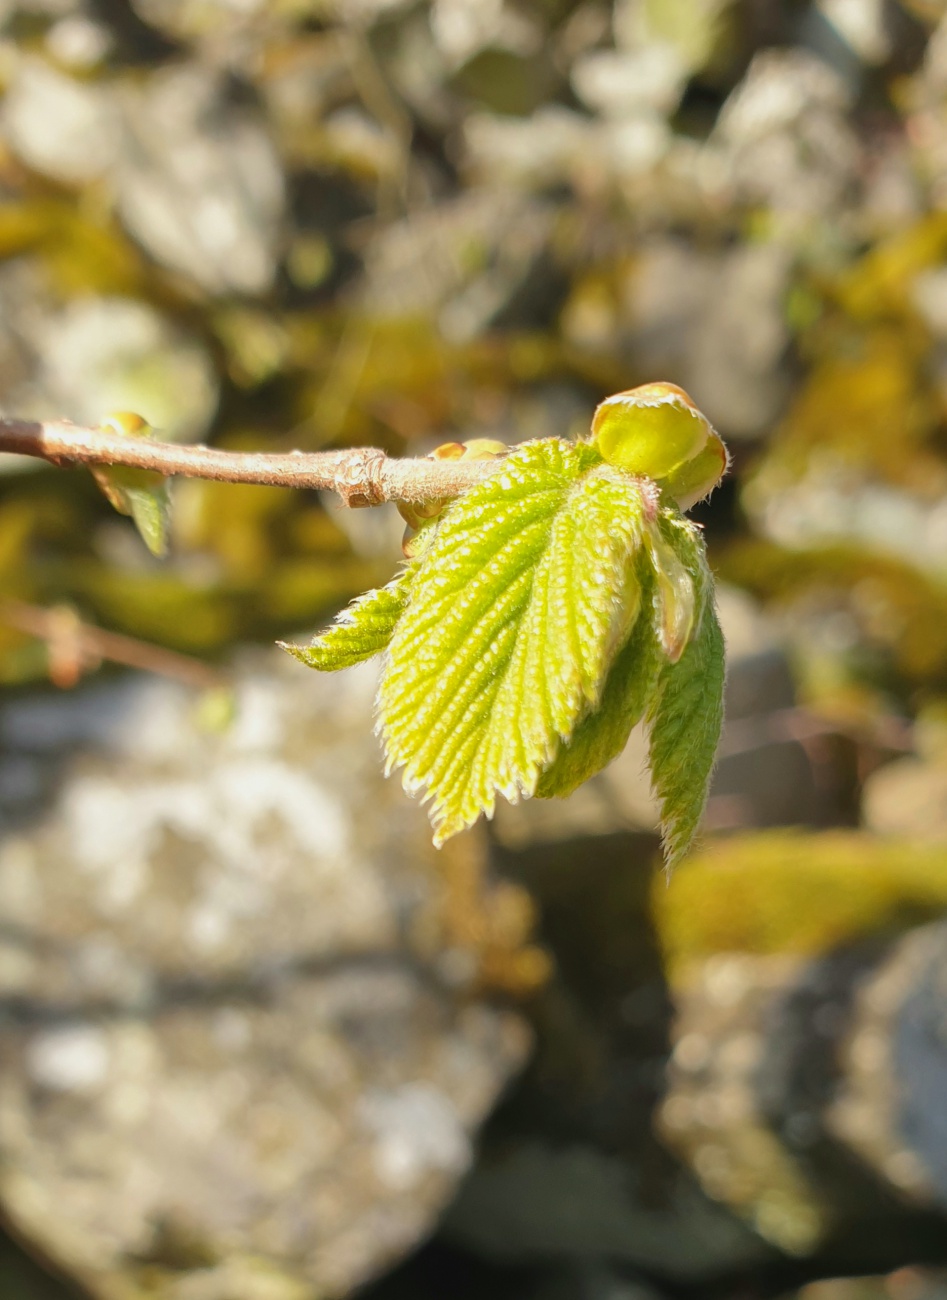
<point x="796" y="893"/>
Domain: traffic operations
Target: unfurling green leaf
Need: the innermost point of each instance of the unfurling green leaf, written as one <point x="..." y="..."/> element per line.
<point x="516" y="613"/>
<point x="698" y="477"/>
<point x="361" y="631"/>
<point x="603" y="734"/>
<point x="686" y="712"/>
<point x="137" y="492"/>
<point x="547" y="611"/>
<point x="674" y="598"/>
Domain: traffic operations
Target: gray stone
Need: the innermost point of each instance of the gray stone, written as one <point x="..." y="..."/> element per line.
<point x="625" y="83"/>
<point x="66" y="129"/>
<point x="919" y="1060"/>
<point x="716" y="323"/>
<point x="199" y="183"/>
<point x="461" y="30"/>
<point x="77" y="41"/>
<point x="463" y="262"/>
<point x="105" y="354"/>
<point x="184" y="20"/>
<point x="82" y="359"/>
<point x="837" y="504"/>
<point x="236" y="1064"/>
<point x="558" y="144"/>
<point x="782" y="137"/>
<point x="781" y="1063"/>
<point x="736" y="369"/>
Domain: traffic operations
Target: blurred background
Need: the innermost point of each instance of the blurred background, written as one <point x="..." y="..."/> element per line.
<point x="258" y="1041"/>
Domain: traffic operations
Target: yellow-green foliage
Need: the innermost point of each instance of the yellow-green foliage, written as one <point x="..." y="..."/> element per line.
<point x="361" y="631"/>
<point x="546" y="611"/>
<point x="795" y="893"/>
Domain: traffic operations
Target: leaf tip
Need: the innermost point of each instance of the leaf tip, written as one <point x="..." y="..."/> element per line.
<point x="299" y="652"/>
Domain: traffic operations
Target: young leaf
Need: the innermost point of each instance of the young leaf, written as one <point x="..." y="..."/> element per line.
<point x="137" y="492"/>
<point x="686" y="713"/>
<point x="360" y="631"/>
<point x="698" y="477"/>
<point x="603" y="734"/>
<point x="519" y="606"/>
<point x="674" y="600"/>
<point x="548" y="610"/>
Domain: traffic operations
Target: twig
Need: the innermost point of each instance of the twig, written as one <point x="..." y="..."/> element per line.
<point x="84" y="645"/>
<point x="362" y="476"/>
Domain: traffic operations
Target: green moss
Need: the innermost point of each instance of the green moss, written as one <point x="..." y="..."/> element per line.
<point x="796" y="893"/>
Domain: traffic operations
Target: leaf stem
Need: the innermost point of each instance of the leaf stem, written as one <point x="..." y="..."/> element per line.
<point x="362" y="476"/>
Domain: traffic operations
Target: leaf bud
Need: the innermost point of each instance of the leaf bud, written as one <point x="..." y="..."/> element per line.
<point x="127" y="424"/>
<point x="656" y="430"/>
<point x="415" y="513"/>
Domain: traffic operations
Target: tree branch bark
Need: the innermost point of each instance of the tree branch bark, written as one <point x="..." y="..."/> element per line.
<point x="362" y="476"/>
<point x="76" y="647"/>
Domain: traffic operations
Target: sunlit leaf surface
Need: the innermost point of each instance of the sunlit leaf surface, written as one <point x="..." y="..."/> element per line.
<point x="687" y="712"/>
<point x="524" y="597"/>
<point x="361" y="631"/>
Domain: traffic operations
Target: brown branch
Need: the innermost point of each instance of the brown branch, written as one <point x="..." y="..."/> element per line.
<point x="362" y="476"/>
<point x="81" y="646"/>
